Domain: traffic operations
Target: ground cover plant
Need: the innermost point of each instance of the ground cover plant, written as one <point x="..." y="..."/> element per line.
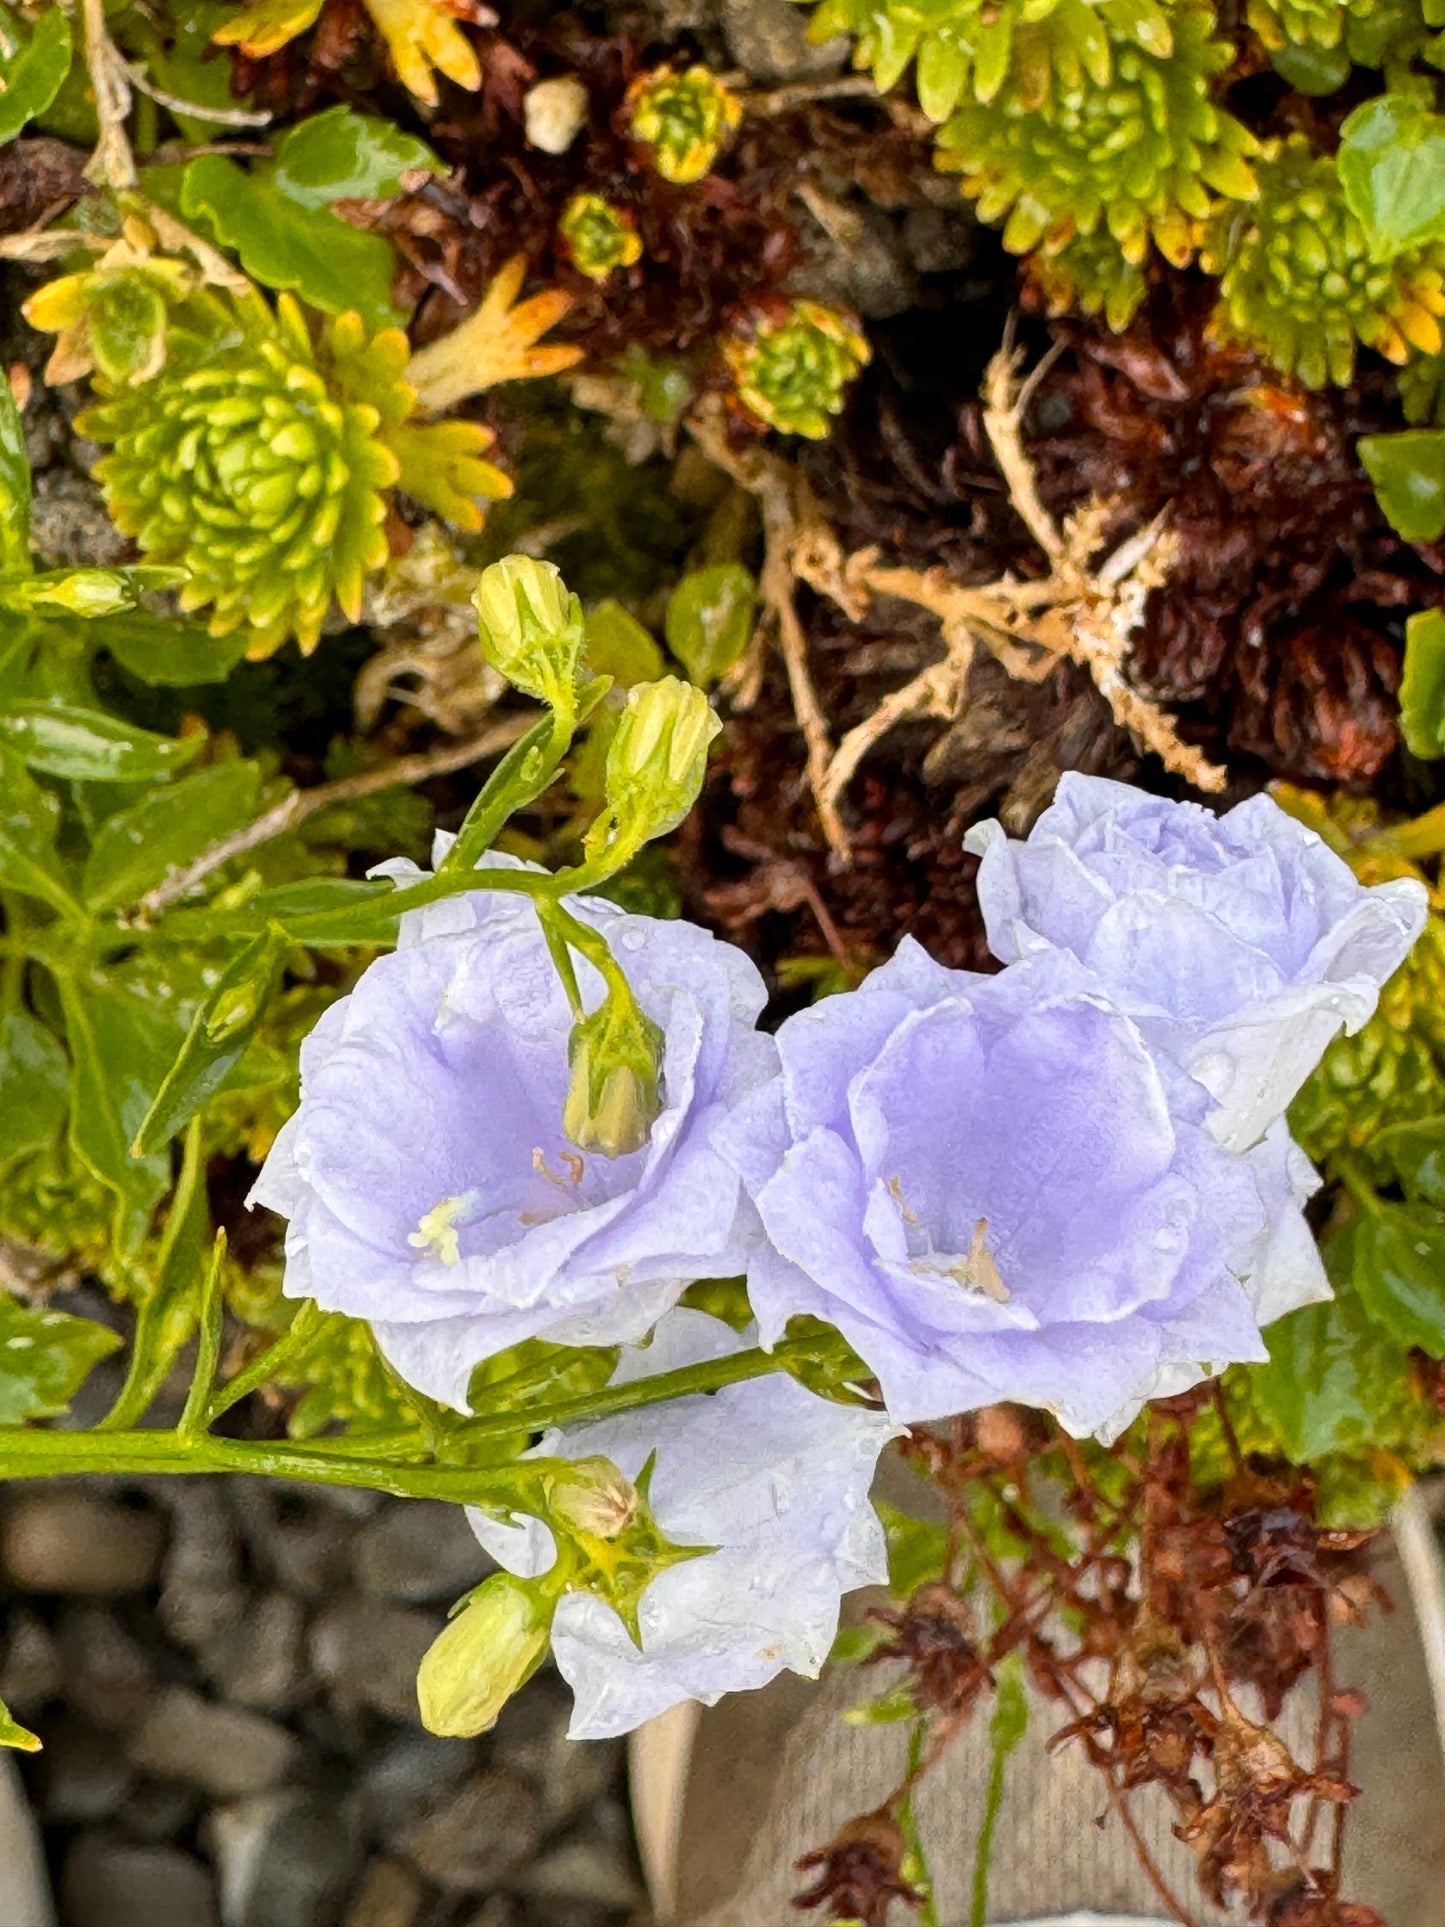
<point x="719" y="734"/>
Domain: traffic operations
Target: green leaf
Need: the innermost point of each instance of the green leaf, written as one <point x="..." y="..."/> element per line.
<point x="1416" y="1154"/>
<point x="119" y="1051"/>
<point x="33" y="64"/>
<point x="618" y="646"/>
<point x="28" y="859"/>
<point x="1392" y="167"/>
<point x="1399" y="1272"/>
<point x="34" y="1086"/>
<point x="1408" y="471"/>
<point x="340" y="154"/>
<point x="88" y="746"/>
<point x="167" y="653"/>
<point x="917" y="1549"/>
<point x="286" y="244"/>
<point x="321" y="911"/>
<point x="44" y="1358"/>
<point x="137" y="848"/>
<point x="186" y="66"/>
<point x="89" y="593"/>
<point x="13" y="1734"/>
<point x="1333" y="1378"/>
<point x="709" y="623"/>
<point x="219" y="1034"/>
<point x="1422" y="686"/>
<point x="14" y="489"/>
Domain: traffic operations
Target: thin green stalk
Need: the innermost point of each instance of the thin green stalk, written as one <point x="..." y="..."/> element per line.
<point x="264" y="1367"/>
<point x="916" y="1870"/>
<point x="37" y="1453"/>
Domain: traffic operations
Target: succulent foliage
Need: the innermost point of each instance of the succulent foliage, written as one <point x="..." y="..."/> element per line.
<point x="261" y="457"/>
<point x="793" y="369"/>
<point x="684" y="120"/>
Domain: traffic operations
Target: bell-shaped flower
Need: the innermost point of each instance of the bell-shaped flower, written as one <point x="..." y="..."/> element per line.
<point x="995" y="1189"/>
<point x="428" y="1178"/>
<point x="1240" y="943"/>
<point x="771" y="1477"/>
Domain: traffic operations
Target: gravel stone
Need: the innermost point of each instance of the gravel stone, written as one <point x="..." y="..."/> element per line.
<point x="596" y="1871"/>
<point x="483" y="1833"/>
<point x="299" y="1542"/>
<point x="390" y="1895"/>
<point x="369" y="1653"/>
<point x="284" y="1860"/>
<point x="531" y="1738"/>
<point x="161" y="1810"/>
<point x="939" y="240"/>
<point x="421" y="1552"/>
<point x="72" y="1542"/>
<point x="30" y="1675"/>
<point x="202" y="1572"/>
<point x="108" y="1884"/>
<point x="84" y="1775"/>
<point x="263" y="1665"/>
<point x="69" y="527"/>
<point x="107" y="1674"/>
<point x="769" y="38"/>
<point x="223" y="1749"/>
<point x="403" y="1783"/>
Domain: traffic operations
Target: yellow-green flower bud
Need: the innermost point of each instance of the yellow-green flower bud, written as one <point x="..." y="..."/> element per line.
<point x="684" y="119"/>
<point x="492" y="1647"/>
<point x="531" y="628"/>
<point x="615" y="1095"/>
<point x="793" y="368"/>
<point x="658" y="758"/>
<point x="594" y="1498"/>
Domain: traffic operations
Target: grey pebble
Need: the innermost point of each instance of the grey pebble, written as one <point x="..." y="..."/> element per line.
<point x="108" y="1675"/>
<point x="74" y="1542"/>
<point x="263" y="1663"/>
<point x="30" y="1675"/>
<point x="84" y="1774"/>
<point x="419" y="1552"/>
<point x="108" y="1884"/>
<point x="368" y="1653"/>
<point x="225" y="1750"/>
<point x="481" y="1835"/>
<point x="390" y="1895"/>
<point x="299" y="1541"/>
<point x="769" y="38"/>
<point x="596" y="1871"/>
<point x="283" y="1859"/>
<point x="405" y="1781"/>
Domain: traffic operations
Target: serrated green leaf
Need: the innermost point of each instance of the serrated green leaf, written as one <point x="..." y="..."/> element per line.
<point x="1399" y="1272"/>
<point x="14" y="489"/>
<point x="709" y="623"/>
<point x="89" y="746"/>
<point x="119" y="1053"/>
<point x="34" y="1086"/>
<point x="1422" y="685"/>
<point x="45" y="1357"/>
<point x="285" y="244"/>
<point x="347" y="1382"/>
<point x="220" y="1031"/>
<point x="166" y="653"/>
<point x="137" y="848"/>
<point x="1408" y="471"/>
<point x="340" y="154"/>
<point x="32" y="69"/>
<point x="1392" y="168"/>
<point x="29" y="819"/>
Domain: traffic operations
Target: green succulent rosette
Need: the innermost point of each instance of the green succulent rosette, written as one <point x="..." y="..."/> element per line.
<point x="792" y="369"/>
<point x="1141" y="155"/>
<point x="261" y="456"/>
<point x="599" y="237"/>
<point x="1297" y="281"/>
<point x="1092" y="275"/>
<point x="684" y="120"/>
<point x="969" y="48"/>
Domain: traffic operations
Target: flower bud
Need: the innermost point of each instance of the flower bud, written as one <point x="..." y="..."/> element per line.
<point x="492" y="1646"/>
<point x="658" y="758"/>
<point x="531" y="629"/>
<point x="615" y="1094"/>
<point x="593" y="1497"/>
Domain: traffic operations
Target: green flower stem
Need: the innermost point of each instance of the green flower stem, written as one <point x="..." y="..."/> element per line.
<point x="1424" y="836"/>
<point x="265" y="1366"/>
<point x="519" y="779"/>
<point x="34" y="1453"/>
<point x="1352" y="1176"/>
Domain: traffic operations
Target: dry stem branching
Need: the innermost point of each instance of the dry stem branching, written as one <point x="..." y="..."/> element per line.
<point x="1086" y="610"/>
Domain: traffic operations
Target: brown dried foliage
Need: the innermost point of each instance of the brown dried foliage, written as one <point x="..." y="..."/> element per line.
<point x="1231" y="1586"/>
<point x="860" y="1872"/>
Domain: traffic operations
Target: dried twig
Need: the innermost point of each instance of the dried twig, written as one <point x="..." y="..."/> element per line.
<point x="112" y="164"/>
<point x="300" y="804"/>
